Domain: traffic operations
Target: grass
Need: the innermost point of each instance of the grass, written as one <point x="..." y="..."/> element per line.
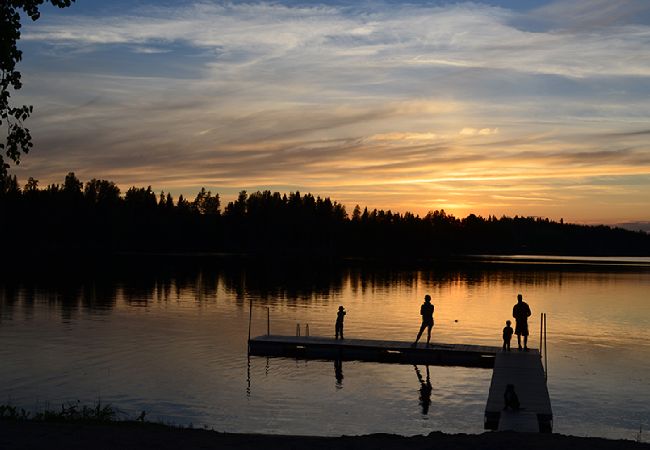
<point x="70" y="412"/>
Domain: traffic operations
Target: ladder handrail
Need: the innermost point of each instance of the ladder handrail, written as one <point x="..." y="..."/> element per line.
<point x="543" y="348"/>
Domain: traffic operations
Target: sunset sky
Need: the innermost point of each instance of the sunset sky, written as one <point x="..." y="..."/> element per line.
<point x="492" y="107"/>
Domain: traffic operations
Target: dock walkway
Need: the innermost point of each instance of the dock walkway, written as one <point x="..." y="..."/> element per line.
<point x="373" y="350"/>
<point x="522" y="369"/>
<point x="525" y="372"/>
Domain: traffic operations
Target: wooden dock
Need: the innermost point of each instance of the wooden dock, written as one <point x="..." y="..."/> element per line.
<point x="374" y="351"/>
<point x="522" y="369"/>
<point x="525" y="372"/>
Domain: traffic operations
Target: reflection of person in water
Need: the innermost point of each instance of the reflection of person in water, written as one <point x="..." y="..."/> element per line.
<point x="338" y="372"/>
<point x="425" y="390"/>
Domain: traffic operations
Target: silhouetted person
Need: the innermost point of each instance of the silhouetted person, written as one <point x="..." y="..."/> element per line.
<point x="510" y="398"/>
<point x="338" y="329"/>
<point x="425" y="390"/>
<point x="521" y="312"/>
<point x="426" y="311"/>
<point x="507" y="335"/>
<point x="338" y="372"/>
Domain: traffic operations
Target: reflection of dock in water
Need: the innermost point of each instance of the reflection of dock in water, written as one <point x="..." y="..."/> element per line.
<point x="314" y="347"/>
<point x="522" y="369"/>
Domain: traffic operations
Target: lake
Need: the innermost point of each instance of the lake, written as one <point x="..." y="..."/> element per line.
<point x="168" y="336"/>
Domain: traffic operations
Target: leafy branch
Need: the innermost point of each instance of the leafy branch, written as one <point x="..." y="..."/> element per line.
<point x="17" y="138"/>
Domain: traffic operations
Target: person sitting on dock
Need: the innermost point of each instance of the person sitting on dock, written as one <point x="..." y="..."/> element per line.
<point x="338" y="329"/>
<point x="511" y="400"/>
<point x="426" y="311"/>
<point x="507" y="335"/>
<point x="521" y="312"/>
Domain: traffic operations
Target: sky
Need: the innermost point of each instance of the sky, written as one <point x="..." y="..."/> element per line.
<point x="534" y="108"/>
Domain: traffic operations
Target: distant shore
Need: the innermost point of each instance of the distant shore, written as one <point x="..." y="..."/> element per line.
<point x="89" y="263"/>
<point x="130" y="435"/>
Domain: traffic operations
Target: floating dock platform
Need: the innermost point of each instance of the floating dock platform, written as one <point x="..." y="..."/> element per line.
<point x="315" y="347"/>
<point x="522" y="369"/>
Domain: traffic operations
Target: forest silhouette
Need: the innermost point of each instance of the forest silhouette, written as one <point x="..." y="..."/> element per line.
<point x="94" y="217"/>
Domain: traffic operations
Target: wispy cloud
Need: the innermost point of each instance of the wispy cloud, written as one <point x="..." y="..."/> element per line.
<point x="587" y="15"/>
<point x="466" y="36"/>
<point x="391" y="105"/>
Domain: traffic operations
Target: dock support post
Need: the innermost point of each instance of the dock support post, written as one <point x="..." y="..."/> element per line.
<point x="297" y="329"/>
<point x="307" y="330"/>
<point x="541" y="330"/>
<point x="250" y="319"/>
<point x="268" y="321"/>
<point x="543" y="349"/>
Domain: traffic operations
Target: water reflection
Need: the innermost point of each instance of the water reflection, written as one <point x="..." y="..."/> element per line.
<point x="293" y="285"/>
<point x="248" y="375"/>
<point x="129" y="330"/>
<point x="338" y="373"/>
<point x="425" y="389"/>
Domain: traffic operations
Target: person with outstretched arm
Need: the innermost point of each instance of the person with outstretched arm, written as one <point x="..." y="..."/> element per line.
<point x="338" y="328"/>
<point x="426" y="311"/>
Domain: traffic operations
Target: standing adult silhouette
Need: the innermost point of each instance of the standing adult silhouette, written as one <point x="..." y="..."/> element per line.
<point x="426" y="311"/>
<point x="521" y="313"/>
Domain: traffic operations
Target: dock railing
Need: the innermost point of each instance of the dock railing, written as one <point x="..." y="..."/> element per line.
<point x="543" y="350"/>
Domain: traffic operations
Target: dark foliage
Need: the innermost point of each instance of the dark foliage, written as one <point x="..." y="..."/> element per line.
<point x="16" y="139"/>
<point x="94" y="217"/>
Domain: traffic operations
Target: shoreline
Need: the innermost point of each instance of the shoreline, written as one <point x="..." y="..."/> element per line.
<point x="26" y="434"/>
<point x="88" y="264"/>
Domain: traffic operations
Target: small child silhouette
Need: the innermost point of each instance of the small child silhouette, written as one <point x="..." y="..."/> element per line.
<point x="507" y="335"/>
<point x="339" y="323"/>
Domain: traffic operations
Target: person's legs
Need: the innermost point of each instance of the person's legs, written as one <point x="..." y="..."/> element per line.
<point x="429" y="333"/>
<point x="341" y="331"/>
<point x="525" y="342"/>
<point x="420" y="332"/>
<point x="519" y="341"/>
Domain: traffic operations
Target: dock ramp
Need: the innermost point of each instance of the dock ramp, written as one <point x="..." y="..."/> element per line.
<point x="525" y="372"/>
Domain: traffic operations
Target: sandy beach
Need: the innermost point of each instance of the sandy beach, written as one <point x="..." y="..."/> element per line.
<point x="25" y="435"/>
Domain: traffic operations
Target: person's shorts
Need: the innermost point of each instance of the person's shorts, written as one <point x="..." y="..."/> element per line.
<point x="521" y="329"/>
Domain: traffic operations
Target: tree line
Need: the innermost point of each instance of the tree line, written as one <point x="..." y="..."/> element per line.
<point x="95" y="217"/>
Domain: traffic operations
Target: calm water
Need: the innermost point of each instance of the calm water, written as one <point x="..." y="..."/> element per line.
<point x="171" y="340"/>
